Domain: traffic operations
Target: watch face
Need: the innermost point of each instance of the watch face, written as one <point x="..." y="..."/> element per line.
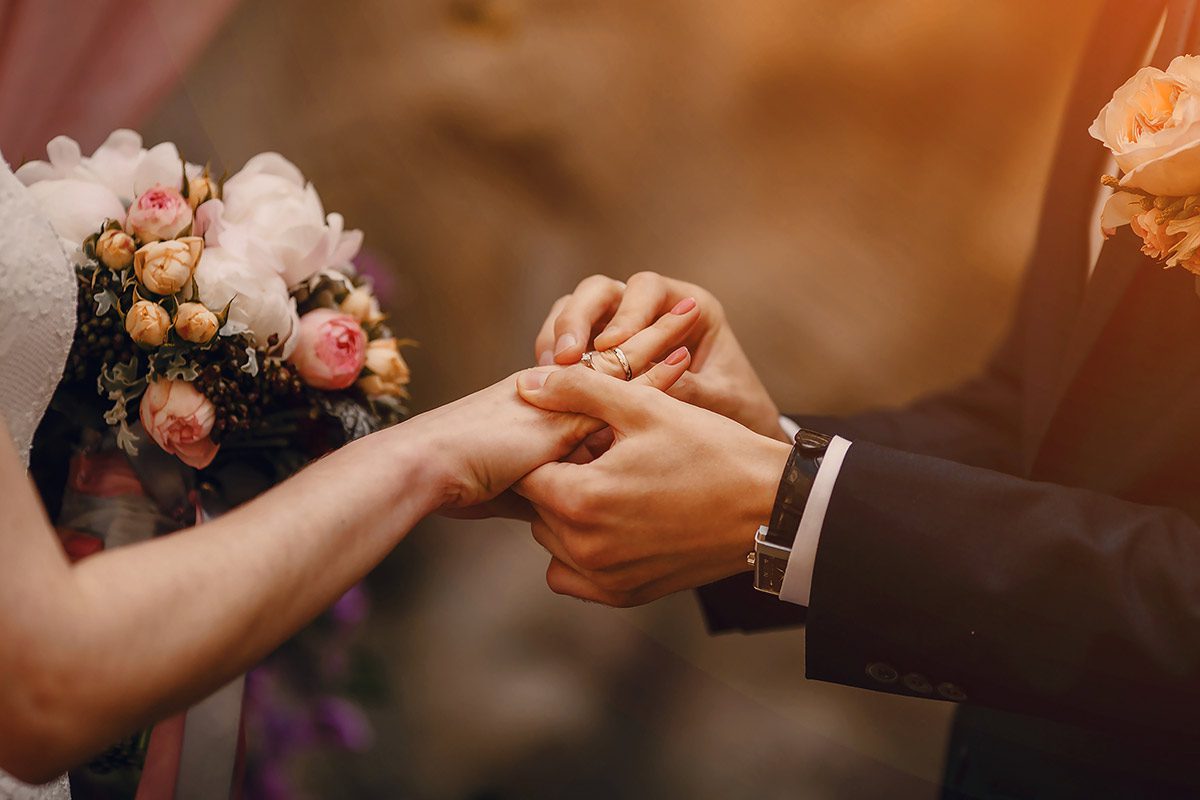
<point x="811" y="441"/>
<point x="768" y="573"/>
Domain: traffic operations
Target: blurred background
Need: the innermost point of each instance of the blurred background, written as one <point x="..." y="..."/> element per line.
<point x="856" y="181"/>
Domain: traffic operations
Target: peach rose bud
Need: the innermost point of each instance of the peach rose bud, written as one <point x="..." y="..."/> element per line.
<point x="331" y="349"/>
<point x="158" y="213"/>
<point x="167" y="267"/>
<point x="195" y="323"/>
<point x="148" y="323"/>
<point x="115" y="249"/>
<point x="201" y="190"/>
<point x="361" y="304"/>
<point x="389" y="372"/>
<point x="180" y="420"/>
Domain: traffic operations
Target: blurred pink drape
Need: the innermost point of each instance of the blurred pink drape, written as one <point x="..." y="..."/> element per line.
<point x="85" y="67"/>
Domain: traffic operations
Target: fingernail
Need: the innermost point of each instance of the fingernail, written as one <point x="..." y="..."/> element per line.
<point x="683" y="306"/>
<point x="565" y="342"/>
<point x="546" y="358"/>
<point x="533" y="379"/>
<point x="677" y="357"/>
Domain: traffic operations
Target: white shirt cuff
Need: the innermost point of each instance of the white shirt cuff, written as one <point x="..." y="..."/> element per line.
<point x="797" y="578"/>
<point x="790" y="426"/>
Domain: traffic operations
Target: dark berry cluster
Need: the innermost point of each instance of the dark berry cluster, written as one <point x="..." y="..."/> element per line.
<point x="242" y="399"/>
<point x="99" y="340"/>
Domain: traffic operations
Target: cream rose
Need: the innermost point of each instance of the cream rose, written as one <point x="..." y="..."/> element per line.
<point x="389" y="372"/>
<point x="148" y="323"/>
<point x="167" y="267"/>
<point x="1152" y="127"/>
<point x="180" y="419"/>
<point x="257" y="297"/>
<point x="195" y="323"/>
<point x="331" y="349"/>
<point x="158" y="213"/>
<point x="115" y="249"/>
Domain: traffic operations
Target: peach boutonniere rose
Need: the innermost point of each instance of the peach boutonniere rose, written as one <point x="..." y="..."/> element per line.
<point x="1152" y="128"/>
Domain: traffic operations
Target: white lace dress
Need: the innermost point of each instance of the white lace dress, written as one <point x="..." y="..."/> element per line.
<point x="37" y="323"/>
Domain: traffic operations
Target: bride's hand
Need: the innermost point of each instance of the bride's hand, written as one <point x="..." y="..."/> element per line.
<point x="482" y="444"/>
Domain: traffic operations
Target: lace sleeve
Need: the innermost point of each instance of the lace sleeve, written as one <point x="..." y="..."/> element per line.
<point x="37" y="311"/>
<point x="11" y="789"/>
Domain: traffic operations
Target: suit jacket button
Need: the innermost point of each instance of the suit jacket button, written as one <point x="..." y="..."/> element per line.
<point x="884" y="673"/>
<point x="951" y="692"/>
<point x="916" y="682"/>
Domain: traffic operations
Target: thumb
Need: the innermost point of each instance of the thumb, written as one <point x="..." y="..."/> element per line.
<point x="579" y="390"/>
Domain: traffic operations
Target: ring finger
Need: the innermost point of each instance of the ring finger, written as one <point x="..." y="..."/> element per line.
<point x="647" y="346"/>
<point x="591" y="305"/>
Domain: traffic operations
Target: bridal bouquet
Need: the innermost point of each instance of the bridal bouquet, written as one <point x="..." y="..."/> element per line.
<point x="223" y="340"/>
<point x="218" y="314"/>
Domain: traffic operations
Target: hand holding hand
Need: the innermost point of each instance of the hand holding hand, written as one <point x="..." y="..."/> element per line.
<point x="721" y="377"/>
<point x="673" y="504"/>
<point x="480" y="445"/>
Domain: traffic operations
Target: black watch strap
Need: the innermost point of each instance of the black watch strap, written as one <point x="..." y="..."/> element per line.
<point x="795" y="485"/>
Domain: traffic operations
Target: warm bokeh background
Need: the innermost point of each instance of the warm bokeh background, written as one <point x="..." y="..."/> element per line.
<point x="857" y="182"/>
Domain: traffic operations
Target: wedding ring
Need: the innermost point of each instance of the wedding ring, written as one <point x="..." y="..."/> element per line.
<point x="588" y="360"/>
<point x="620" y="354"/>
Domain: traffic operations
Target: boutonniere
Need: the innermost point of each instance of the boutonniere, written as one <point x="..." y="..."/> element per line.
<point x="1152" y="128"/>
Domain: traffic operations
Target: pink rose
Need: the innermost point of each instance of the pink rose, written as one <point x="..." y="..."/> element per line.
<point x="331" y="349"/>
<point x="158" y="213"/>
<point x="179" y="418"/>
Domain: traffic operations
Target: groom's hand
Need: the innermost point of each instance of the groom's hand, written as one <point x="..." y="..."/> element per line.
<point x="674" y="502"/>
<point x="488" y="440"/>
<point x="721" y="377"/>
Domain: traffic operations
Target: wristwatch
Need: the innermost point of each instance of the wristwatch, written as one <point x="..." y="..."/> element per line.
<point x="773" y="542"/>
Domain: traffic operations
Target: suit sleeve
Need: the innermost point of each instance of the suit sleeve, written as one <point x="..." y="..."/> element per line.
<point x="937" y="578"/>
<point x="976" y="423"/>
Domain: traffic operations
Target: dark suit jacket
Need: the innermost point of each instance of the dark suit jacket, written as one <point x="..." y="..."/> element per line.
<point x="1029" y="542"/>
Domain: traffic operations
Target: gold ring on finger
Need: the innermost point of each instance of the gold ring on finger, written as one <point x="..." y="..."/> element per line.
<point x="620" y="354"/>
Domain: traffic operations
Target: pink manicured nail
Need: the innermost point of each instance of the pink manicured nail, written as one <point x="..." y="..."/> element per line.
<point x="684" y="306"/>
<point x="677" y="357"/>
<point x="533" y="380"/>
<point x="546" y="358"/>
<point x="565" y="342"/>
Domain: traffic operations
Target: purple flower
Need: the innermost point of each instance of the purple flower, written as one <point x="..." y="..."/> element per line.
<point x="344" y="724"/>
<point x="371" y="264"/>
<point x="351" y="610"/>
<point x="272" y="783"/>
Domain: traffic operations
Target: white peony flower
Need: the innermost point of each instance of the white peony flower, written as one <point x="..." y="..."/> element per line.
<point x="121" y="164"/>
<point x="128" y="169"/>
<point x="78" y="193"/>
<point x="261" y="303"/>
<point x="270" y="214"/>
<point x="76" y="208"/>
